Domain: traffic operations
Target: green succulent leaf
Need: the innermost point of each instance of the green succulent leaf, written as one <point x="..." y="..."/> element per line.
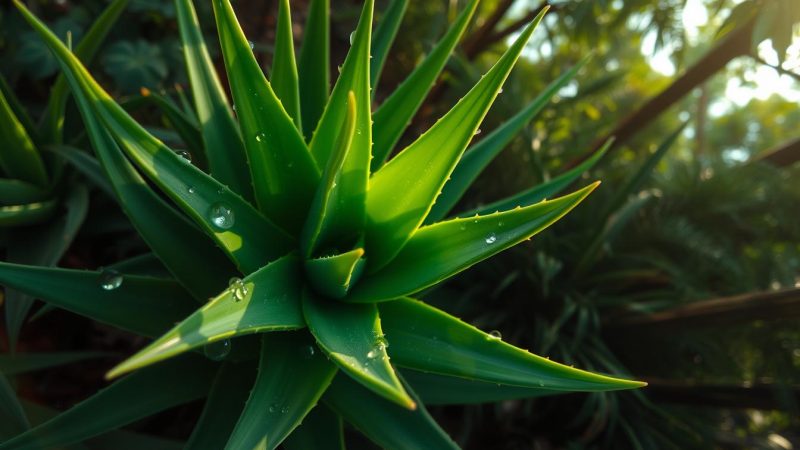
<point x="313" y="77"/>
<point x="324" y="208"/>
<point x="351" y="336"/>
<point x="403" y="191"/>
<point x="13" y="420"/>
<point x="30" y="362"/>
<point x="266" y="300"/>
<point x="284" y="67"/>
<point x="225" y="402"/>
<point x="349" y="193"/>
<point x="383" y="38"/>
<point x="143" y="305"/>
<point x="87" y="165"/>
<point x="19" y="157"/>
<point x="27" y="214"/>
<point x="18" y="110"/>
<point x="122" y="403"/>
<point x="435" y="389"/>
<point x="292" y="376"/>
<point x="224" y="148"/>
<point x="184" y="125"/>
<point x="545" y="190"/>
<point x="427" y="339"/>
<point x="390" y="426"/>
<point x="87" y="48"/>
<point x="17" y="192"/>
<point x="333" y="275"/>
<point x="321" y="430"/>
<point x="393" y="116"/>
<point x="439" y="251"/>
<point x="479" y="156"/>
<point x="285" y="175"/>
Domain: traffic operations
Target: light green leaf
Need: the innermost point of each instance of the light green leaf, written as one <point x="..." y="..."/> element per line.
<point x="479" y="156"/>
<point x="284" y="67"/>
<point x="351" y="336"/>
<point x="30" y="362"/>
<point x="320" y="430"/>
<point x="314" y="64"/>
<point x="292" y="376"/>
<point x="224" y="148"/>
<point x="285" y="175"/>
<point x="403" y="191"/>
<point x="19" y="157"/>
<point x="439" y="251"/>
<point x="143" y="305"/>
<point x="121" y="403"/>
<point x="12" y="417"/>
<point x="349" y="193"/>
<point x="224" y="404"/>
<point x="427" y="339"/>
<point x="435" y="389"/>
<point x="53" y="119"/>
<point x="324" y="208"/>
<point x="388" y="425"/>
<point x="394" y="115"/>
<point x="383" y="38"/>
<point x="333" y="275"/>
<point x="266" y="300"/>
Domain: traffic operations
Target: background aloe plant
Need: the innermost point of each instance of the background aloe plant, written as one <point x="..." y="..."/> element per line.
<point x="329" y="235"/>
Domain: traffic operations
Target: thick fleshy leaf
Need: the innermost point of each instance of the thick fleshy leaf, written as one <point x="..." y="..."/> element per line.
<point x="351" y="336"/>
<point x="346" y="221"/>
<point x="314" y="66"/>
<point x="18" y="109"/>
<point x="435" y="389"/>
<point x="187" y="129"/>
<point x="146" y="264"/>
<point x="292" y="376"/>
<point x="427" y="339"/>
<point x="18" y="192"/>
<point x="27" y="214"/>
<point x="383" y="38"/>
<point x="284" y="67"/>
<point x="441" y="250"/>
<point x="87" y="165"/>
<point x="225" y="402"/>
<point x="388" y="425"/>
<point x="479" y="156"/>
<point x="53" y="119"/>
<point x="224" y="148"/>
<point x="320" y="430"/>
<point x="42" y="245"/>
<point x="321" y="217"/>
<point x="403" y="191"/>
<point x="121" y="403"/>
<point x="29" y="362"/>
<point x="143" y="305"/>
<point x="266" y="300"/>
<point x="284" y="173"/>
<point x="332" y="276"/>
<point x="174" y="239"/>
<point x="394" y="115"/>
<point x="19" y="157"/>
<point x="12" y="417"/>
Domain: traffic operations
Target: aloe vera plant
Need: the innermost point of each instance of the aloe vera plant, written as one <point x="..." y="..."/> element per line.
<point x="305" y="242"/>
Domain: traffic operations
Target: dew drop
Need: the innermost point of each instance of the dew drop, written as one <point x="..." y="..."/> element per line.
<point x="110" y="279"/>
<point x="221" y="216"/>
<point x="309" y="352"/>
<point x="261" y="136"/>
<point x="284" y="410"/>
<point x="191" y="189"/>
<point x="187" y="157"/>
<point x="496" y="335"/>
<point x="491" y="238"/>
<point x="252" y="45"/>
<point x="273" y="407"/>
<point x="217" y="351"/>
<point x="500" y="91"/>
<point x="238" y="289"/>
<point x="478" y="131"/>
<point x="352" y="37"/>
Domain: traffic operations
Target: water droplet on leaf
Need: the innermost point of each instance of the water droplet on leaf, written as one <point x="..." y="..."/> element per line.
<point x="110" y="279"/>
<point x="491" y="238"/>
<point x="187" y="157"/>
<point x="238" y="289"/>
<point x="494" y="334"/>
<point x="217" y="351"/>
<point x="221" y="216"/>
<point x="191" y="189"/>
<point x="261" y="137"/>
<point x="252" y="45"/>
<point x="352" y="37"/>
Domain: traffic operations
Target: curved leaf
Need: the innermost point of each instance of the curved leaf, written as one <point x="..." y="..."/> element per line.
<point x="284" y="67"/>
<point x="17" y="192"/>
<point x="314" y="64"/>
<point x="441" y="250"/>
<point x="13" y="420"/>
<point x="403" y="191"/>
<point x="394" y="115"/>
<point x="266" y="300"/>
<point x="351" y="336"/>
<point x="435" y="389"/>
<point x="28" y="214"/>
<point x="121" y="403"/>
<point x="19" y="157"/>
<point x="427" y="339"/>
<point x="224" y="148"/>
<point x="292" y="376"/>
<point x="388" y="425"/>
<point x="284" y="172"/>
<point x="333" y="275"/>
<point x="383" y="38"/>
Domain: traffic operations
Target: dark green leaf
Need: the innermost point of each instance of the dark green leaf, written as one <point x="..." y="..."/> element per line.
<point x="314" y="64"/>
<point x="29" y="362"/>
<point x="383" y="38"/>
<point x="284" y="67"/>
